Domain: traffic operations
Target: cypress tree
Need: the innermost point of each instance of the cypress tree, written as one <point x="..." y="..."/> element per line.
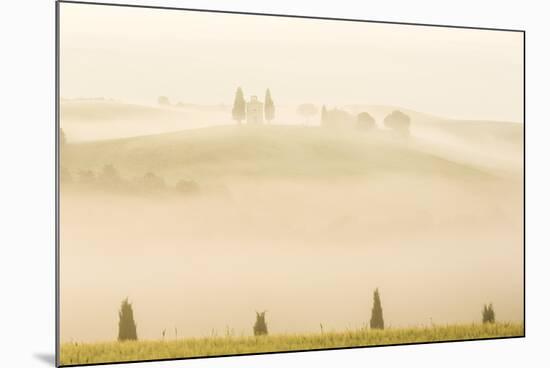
<point x="377" y="318"/>
<point x="239" y="106"/>
<point x="260" y="327"/>
<point x="269" y="107"/>
<point x="127" y="329"/>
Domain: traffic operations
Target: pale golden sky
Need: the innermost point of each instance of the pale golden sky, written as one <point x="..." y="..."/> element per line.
<point x="138" y="54"/>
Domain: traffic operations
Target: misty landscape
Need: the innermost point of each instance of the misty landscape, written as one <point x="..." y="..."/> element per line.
<point x="283" y="203"/>
<point x="306" y="213"/>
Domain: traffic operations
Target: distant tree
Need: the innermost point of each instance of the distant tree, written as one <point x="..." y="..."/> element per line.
<point x="307" y="111"/>
<point x="324" y="115"/>
<point x="488" y="314"/>
<point x="239" y="106"/>
<point x="365" y="121"/>
<point x="86" y="177"/>
<point x="163" y="101"/>
<point x="110" y="172"/>
<point x="127" y="329"/>
<point x="377" y="318"/>
<point x="152" y="182"/>
<point x="180" y="104"/>
<point x="337" y="118"/>
<point x="109" y="176"/>
<point x="260" y="327"/>
<point x="269" y="107"/>
<point x="62" y="138"/>
<point x="399" y="122"/>
<point x="187" y="187"/>
<point x="65" y="175"/>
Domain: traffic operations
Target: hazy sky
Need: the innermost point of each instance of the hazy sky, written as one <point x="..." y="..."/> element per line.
<point x="138" y="54"/>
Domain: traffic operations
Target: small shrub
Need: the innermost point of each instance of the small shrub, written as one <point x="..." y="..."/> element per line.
<point x="260" y="327"/>
<point x="488" y="314"/>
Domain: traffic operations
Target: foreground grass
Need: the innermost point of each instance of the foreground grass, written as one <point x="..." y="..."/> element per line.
<point x="75" y="353"/>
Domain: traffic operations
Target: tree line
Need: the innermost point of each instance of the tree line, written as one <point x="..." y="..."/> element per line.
<point x="398" y="122"/>
<point x="108" y="178"/>
<point x="127" y="328"/>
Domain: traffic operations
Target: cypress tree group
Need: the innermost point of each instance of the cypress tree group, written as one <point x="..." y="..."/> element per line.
<point x="239" y="106"/>
<point x="126" y="324"/>
<point x="377" y="318"/>
<point x="269" y="108"/>
<point x="488" y="314"/>
<point x="260" y="327"/>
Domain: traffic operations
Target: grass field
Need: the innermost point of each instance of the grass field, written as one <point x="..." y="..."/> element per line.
<point x="76" y="353"/>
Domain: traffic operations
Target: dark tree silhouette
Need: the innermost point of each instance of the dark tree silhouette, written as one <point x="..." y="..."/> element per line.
<point x="488" y="314"/>
<point x="377" y="318"/>
<point x="399" y="122"/>
<point x="127" y="329"/>
<point x="269" y="107"/>
<point x="260" y="327"/>
<point x="307" y="111"/>
<point x="239" y="106"/>
<point x="365" y="121"/>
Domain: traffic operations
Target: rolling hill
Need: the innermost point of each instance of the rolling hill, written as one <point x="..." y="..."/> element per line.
<point x="265" y="151"/>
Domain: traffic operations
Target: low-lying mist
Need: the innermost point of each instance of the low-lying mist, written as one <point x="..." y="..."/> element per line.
<point x="201" y="223"/>
<point x="307" y="251"/>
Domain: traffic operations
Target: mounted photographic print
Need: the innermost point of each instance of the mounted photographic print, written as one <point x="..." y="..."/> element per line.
<point x="234" y="183"/>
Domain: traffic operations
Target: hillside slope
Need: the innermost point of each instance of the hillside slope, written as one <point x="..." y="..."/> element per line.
<point x="280" y="151"/>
